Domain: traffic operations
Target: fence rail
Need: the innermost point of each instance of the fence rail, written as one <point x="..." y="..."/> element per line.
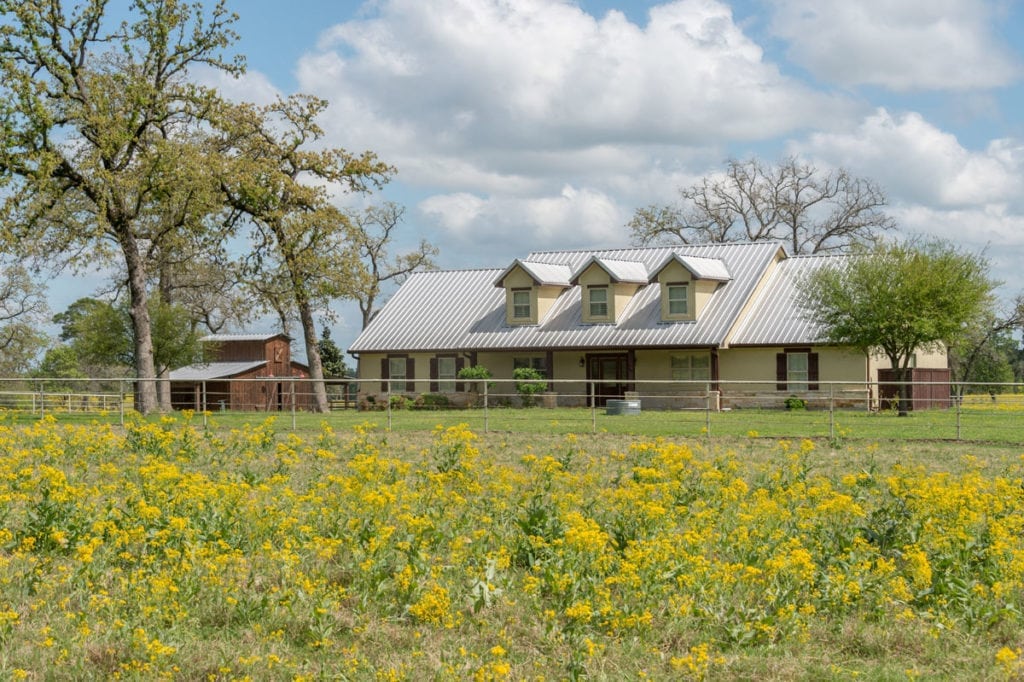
<point x="835" y="410"/>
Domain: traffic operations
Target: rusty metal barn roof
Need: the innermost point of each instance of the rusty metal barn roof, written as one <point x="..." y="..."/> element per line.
<point x="462" y="309"/>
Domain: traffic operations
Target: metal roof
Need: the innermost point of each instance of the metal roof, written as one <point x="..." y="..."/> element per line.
<point x="775" y="318"/>
<point x="214" y="370"/>
<point x="701" y="268"/>
<point x="542" y="273"/>
<point x="223" y="338"/>
<point x="462" y="309"/>
<point x="619" y="270"/>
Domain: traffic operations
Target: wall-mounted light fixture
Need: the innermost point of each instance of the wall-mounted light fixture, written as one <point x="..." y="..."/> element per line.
<point x="583" y="362"/>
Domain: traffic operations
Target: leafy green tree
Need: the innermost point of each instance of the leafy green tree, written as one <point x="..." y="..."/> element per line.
<point x="332" y="357"/>
<point x="897" y="299"/>
<point x="987" y="350"/>
<point x="99" y="334"/>
<point x="373" y="234"/>
<point x="793" y="202"/>
<point x="103" y="148"/>
<point x="22" y="309"/>
<point x="281" y="183"/>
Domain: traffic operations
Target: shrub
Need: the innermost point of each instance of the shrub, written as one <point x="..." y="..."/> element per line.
<point x="794" y="403"/>
<point x="529" y="382"/>
<point x="431" y="401"/>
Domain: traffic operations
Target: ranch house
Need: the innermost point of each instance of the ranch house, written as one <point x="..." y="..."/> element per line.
<point x="718" y="318"/>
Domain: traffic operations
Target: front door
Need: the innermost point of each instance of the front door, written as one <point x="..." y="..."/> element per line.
<point x="609" y="374"/>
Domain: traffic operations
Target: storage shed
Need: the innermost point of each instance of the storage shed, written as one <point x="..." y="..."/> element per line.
<point x="245" y="372"/>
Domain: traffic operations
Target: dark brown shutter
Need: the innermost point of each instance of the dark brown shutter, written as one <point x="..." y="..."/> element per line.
<point x="410" y="375"/>
<point x="433" y="375"/>
<point x="812" y="371"/>
<point x="460" y="363"/>
<point x="714" y="370"/>
<point x="385" y="374"/>
<point x="549" y="366"/>
<point x="780" y="371"/>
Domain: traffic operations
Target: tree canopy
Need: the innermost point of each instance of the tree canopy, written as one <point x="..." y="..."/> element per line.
<point x="299" y="239"/>
<point x="898" y="298"/>
<point x="794" y="202"/>
<point x="103" y="137"/>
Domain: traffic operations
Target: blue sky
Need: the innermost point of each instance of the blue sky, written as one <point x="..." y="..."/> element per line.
<point x="519" y="125"/>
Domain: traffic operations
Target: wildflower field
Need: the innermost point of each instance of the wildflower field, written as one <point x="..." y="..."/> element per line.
<point x="172" y="550"/>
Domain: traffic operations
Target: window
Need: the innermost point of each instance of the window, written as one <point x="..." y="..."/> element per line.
<point x="598" y="301"/>
<point x="677" y="299"/>
<point x="521" y="304"/>
<point x="538" y="363"/>
<point x="691" y="367"/>
<point x="446" y="374"/>
<point x="796" y="371"/>
<point x="397" y="373"/>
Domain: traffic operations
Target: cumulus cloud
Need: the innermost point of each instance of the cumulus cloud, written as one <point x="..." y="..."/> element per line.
<point x="471" y="77"/>
<point x="572" y="218"/>
<point x="905" y="45"/>
<point x="919" y="163"/>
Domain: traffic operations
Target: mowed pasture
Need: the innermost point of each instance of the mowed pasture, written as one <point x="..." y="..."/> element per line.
<point x="200" y="547"/>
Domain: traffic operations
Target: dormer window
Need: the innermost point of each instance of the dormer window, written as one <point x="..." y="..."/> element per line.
<point x="606" y="287"/>
<point x="531" y="289"/>
<point x="687" y="285"/>
<point x="678" y="301"/>
<point x="521" y="304"/>
<point x="598" y="296"/>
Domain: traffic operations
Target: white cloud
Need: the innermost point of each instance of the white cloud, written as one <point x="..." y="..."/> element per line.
<point x="252" y="86"/>
<point x="917" y="162"/>
<point x="488" y="79"/>
<point x="903" y="45"/>
<point x="572" y="218"/>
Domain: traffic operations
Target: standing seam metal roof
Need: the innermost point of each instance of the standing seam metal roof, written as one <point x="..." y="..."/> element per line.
<point x="775" y="317"/>
<point x="456" y="310"/>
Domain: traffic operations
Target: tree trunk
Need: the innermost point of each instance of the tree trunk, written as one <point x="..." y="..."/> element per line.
<point x="145" y="368"/>
<point x="904" y="393"/>
<point x="316" y="366"/>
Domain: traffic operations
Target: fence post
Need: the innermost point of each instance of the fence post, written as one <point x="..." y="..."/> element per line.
<point x="120" y="388"/>
<point x="202" y="402"/>
<point x="707" y="410"/>
<point x="831" y="413"/>
<point x="387" y="399"/>
<point x="292" y="384"/>
<point x="593" y="406"/>
<point x="42" y="400"/>
<point x="959" y="401"/>
<point x="487" y="426"/>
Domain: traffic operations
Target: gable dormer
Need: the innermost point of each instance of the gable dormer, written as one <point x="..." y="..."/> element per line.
<point x="531" y="289"/>
<point x="607" y="286"/>
<point x="686" y="284"/>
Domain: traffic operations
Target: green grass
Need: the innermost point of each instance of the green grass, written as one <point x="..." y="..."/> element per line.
<point x="974" y="423"/>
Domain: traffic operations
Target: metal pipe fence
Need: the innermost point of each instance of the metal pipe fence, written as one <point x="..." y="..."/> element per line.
<point x="833" y="411"/>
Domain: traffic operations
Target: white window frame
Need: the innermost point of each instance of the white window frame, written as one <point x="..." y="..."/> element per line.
<point x="397" y="371"/>
<point x="537" y="362"/>
<point x="598" y="308"/>
<point x="690" y="366"/>
<point x="676" y="301"/>
<point x="446" y="373"/>
<point x="521" y="306"/>
<point x="798" y="379"/>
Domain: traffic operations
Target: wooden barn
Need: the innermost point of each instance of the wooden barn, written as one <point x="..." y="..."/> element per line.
<point x="248" y="372"/>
